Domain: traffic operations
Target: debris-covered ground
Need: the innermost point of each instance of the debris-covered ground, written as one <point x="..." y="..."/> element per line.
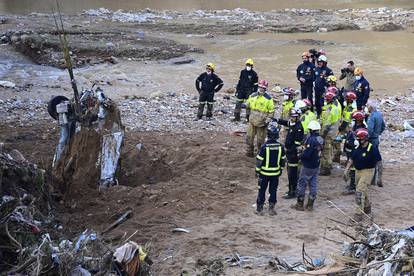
<point x="186" y="188"/>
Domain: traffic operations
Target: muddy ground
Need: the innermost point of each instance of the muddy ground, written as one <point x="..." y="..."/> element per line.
<point x="204" y="182"/>
<point x="194" y="174"/>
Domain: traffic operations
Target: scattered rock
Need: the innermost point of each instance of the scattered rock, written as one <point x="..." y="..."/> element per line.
<point x="182" y="60"/>
<point x="17" y="156"/>
<point x="7" y="84"/>
<point x="112" y="60"/>
<point x="388" y="27"/>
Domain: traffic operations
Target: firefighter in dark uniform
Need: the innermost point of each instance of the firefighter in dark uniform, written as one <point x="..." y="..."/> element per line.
<point x="294" y="139"/>
<point x="364" y="158"/>
<point x="207" y="84"/>
<point x="248" y="83"/>
<point x="305" y="73"/>
<point x="269" y="166"/>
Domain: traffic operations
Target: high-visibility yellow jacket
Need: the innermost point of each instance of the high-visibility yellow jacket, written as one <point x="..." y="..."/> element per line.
<point x="261" y="107"/>
<point x="330" y="116"/>
<point x="286" y="107"/>
<point x="306" y="118"/>
<point x="347" y="112"/>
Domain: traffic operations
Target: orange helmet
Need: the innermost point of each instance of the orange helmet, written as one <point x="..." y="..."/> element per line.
<point x="358" y="71"/>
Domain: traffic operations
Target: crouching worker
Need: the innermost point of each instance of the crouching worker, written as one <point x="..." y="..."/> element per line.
<point x="310" y="167"/>
<point x="270" y="163"/>
<point x="364" y="158"/>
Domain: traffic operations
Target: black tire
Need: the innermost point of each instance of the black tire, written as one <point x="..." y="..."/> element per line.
<point x="51" y="106"/>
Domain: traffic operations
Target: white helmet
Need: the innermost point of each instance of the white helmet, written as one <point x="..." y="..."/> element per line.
<point x="314" y="125"/>
<point x="300" y="104"/>
<point x="323" y="58"/>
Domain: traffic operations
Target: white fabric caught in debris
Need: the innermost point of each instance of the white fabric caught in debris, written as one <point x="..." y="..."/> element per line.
<point x="111" y="151"/>
<point x="126" y="252"/>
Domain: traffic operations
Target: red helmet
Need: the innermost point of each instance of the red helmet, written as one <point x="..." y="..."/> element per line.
<point x="289" y="91"/>
<point x="263" y="84"/>
<point x="322" y="52"/>
<point x="294" y="113"/>
<point x="358" y="115"/>
<point x="350" y="96"/>
<point x="362" y="134"/>
<point x="307" y="102"/>
<point x="333" y="90"/>
<point x="329" y="95"/>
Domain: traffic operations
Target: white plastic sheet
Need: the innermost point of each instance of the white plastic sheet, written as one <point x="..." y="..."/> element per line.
<point x="111" y="152"/>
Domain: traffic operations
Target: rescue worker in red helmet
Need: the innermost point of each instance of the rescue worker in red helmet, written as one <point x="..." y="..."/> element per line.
<point x="262" y="110"/>
<point x="330" y="119"/>
<point x="294" y="138"/>
<point x="346" y="120"/>
<point x="358" y="122"/>
<point x="364" y="158"/>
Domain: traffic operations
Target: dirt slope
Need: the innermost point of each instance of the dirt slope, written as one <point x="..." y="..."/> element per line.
<point x="203" y="182"/>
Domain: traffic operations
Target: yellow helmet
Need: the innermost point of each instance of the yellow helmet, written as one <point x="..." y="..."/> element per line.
<point x="211" y="66"/>
<point x="358" y="71"/>
<point x="249" y="61"/>
<point x="331" y="78"/>
<point x="305" y="54"/>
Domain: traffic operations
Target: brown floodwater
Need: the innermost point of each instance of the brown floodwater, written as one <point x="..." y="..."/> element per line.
<point x="28" y="6"/>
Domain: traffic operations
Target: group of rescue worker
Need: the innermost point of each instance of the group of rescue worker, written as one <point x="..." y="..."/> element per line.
<point x="317" y="129"/>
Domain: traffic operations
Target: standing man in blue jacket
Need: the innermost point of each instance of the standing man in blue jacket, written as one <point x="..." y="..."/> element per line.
<point x="376" y="126"/>
<point x="361" y="88"/>
<point x="321" y="73"/>
<point x="311" y="160"/>
<point x="305" y="73"/>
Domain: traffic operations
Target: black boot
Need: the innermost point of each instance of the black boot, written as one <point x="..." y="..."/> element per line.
<point x="237" y="111"/>
<point x="209" y="114"/>
<point x="299" y="204"/>
<point x="247" y="114"/>
<point x="272" y="210"/>
<point x="289" y="195"/>
<point x="309" y="205"/>
<point x="200" y="111"/>
<point x="352" y="186"/>
<point x="259" y="210"/>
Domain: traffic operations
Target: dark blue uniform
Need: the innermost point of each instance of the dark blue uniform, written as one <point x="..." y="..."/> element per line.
<point x="362" y="90"/>
<point x="320" y="86"/>
<point x="366" y="158"/>
<point x="248" y="84"/>
<point x="306" y="70"/>
<point x="294" y="139"/>
<point x="269" y="166"/>
<point x="207" y="85"/>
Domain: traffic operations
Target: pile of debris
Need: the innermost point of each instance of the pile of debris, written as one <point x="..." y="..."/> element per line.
<point x="381" y="252"/>
<point x="33" y="241"/>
